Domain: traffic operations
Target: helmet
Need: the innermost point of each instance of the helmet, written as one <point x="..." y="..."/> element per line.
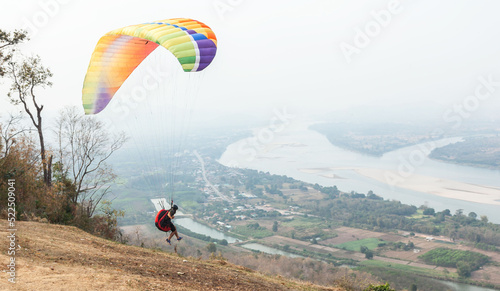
<point x="175" y="207"/>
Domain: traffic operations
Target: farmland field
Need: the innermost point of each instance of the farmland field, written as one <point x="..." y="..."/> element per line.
<point x="370" y="243"/>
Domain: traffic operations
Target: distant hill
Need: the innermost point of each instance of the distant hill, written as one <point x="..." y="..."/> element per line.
<point x="56" y="257"/>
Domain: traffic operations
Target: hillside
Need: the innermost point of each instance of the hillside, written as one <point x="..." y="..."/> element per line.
<point x="56" y="257"/>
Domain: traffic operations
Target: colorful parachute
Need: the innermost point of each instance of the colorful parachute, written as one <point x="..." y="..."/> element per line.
<point x="120" y="51"/>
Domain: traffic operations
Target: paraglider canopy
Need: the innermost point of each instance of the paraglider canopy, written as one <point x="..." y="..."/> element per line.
<point x="119" y="52"/>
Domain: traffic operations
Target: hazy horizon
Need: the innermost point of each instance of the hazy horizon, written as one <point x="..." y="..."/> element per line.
<point x="312" y="58"/>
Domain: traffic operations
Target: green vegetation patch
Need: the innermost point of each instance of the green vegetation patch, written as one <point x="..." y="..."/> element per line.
<point x="308" y="228"/>
<point x="450" y="258"/>
<point x="252" y="230"/>
<point x="406" y="268"/>
<point x="475" y="151"/>
<point x="418" y="215"/>
<point x="355" y="246"/>
<point x="305" y="223"/>
<point x="403" y="277"/>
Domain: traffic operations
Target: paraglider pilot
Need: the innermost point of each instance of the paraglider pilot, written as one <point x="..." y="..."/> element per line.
<point x="164" y="223"/>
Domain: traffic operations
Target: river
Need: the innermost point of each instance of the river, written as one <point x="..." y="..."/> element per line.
<point x="307" y="155"/>
<point x="464" y="287"/>
<point x="203" y="229"/>
<point x="269" y="250"/>
<point x="197" y="227"/>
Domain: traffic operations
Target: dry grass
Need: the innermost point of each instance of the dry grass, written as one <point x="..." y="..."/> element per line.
<point x="54" y="257"/>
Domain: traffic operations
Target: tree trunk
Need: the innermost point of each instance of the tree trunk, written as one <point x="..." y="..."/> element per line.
<point x="49" y="171"/>
<point x="46" y="163"/>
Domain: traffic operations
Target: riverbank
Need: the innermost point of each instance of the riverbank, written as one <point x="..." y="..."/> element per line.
<point x="439" y="185"/>
<point x="436" y="186"/>
<point x="476" y="151"/>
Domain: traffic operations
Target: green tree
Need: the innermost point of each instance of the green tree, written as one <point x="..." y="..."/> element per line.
<point x="211" y="248"/>
<point x="369" y="254"/>
<point x="8" y="41"/>
<point x="275" y="226"/>
<point x="464" y="270"/>
<point x="65" y="189"/>
<point x="429" y="211"/>
<point x="440" y="217"/>
<point x="472" y="215"/>
<point x="385" y="287"/>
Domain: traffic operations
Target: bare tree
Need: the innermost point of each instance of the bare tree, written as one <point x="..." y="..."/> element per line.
<point x="27" y="76"/>
<point x="84" y="147"/>
<point x="9" y="131"/>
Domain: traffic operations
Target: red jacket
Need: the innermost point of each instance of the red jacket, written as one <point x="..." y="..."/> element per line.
<point x="160" y="220"/>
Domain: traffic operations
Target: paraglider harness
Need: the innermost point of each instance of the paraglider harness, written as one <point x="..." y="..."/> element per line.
<point x="163" y="222"/>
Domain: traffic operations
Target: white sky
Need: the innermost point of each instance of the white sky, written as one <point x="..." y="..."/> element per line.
<point x="280" y="53"/>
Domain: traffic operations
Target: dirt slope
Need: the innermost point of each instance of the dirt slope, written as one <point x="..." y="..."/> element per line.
<point x="54" y="257"/>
